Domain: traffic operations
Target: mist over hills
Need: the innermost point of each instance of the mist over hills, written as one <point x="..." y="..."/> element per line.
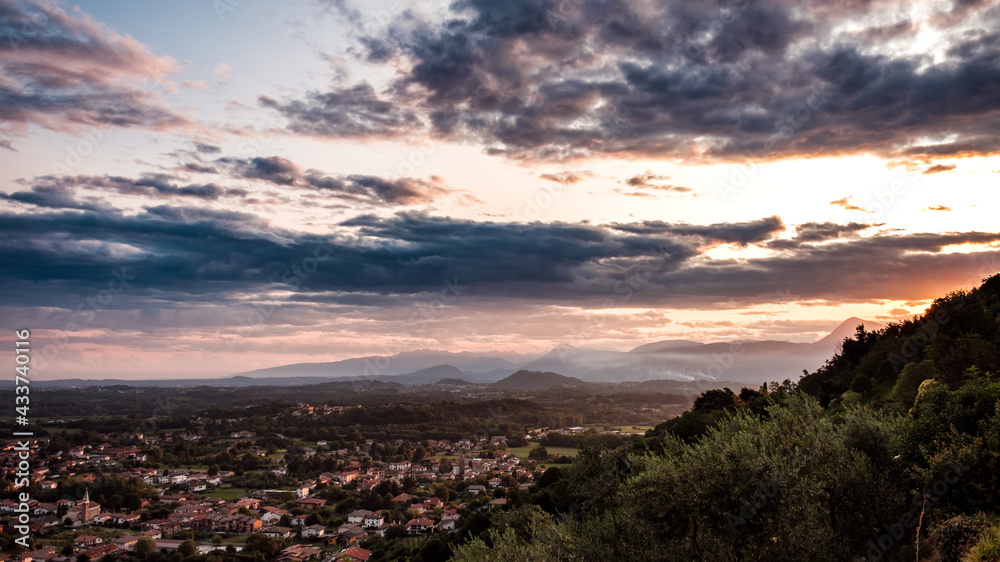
<point x="751" y="362"/>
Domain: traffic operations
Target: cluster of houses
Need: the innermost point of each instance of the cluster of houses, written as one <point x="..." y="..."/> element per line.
<point x="94" y="548"/>
<point x="189" y="492"/>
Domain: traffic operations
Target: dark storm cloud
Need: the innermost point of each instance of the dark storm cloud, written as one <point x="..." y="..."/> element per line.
<point x="55" y="197"/>
<point x="273" y="169"/>
<point x="819" y="231"/>
<point x="550" y="79"/>
<point x="156" y="186"/>
<point x="645" y="179"/>
<point x="63" y="70"/>
<point x="193" y="255"/>
<point x="644" y="184"/>
<point x="206" y="148"/>
<point x="199" y="168"/>
<point x="349" y="112"/>
<point x="734" y="233"/>
<point x="282" y="171"/>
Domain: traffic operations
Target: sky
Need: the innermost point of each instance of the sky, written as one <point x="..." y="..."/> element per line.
<point x="205" y="187"/>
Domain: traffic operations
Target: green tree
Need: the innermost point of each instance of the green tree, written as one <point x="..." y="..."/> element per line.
<point x="441" y="491"/>
<point x="187" y="548"/>
<point x="539" y="454"/>
<point x="268" y="546"/>
<point x="909" y="381"/>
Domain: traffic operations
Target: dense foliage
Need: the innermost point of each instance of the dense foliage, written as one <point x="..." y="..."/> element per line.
<point x="891" y="446"/>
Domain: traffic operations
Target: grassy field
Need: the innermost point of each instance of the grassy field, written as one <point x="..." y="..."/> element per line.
<point x="642" y="428"/>
<point x="226" y="493"/>
<point x="238" y="540"/>
<point x="414" y="542"/>
<point x="522" y="452"/>
<point x="548" y="465"/>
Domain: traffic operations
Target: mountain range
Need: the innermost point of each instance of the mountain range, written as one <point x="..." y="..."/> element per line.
<point x="751" y="362"/>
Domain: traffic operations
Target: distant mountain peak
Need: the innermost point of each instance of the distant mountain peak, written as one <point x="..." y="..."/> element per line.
<point x="453" y="382"/>
<point x="664" y="345"/>
<point x="846" y="329"/>
<point x="537" y="379"/>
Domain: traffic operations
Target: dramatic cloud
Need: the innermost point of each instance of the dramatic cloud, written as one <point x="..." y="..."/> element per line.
<point x="938" y="168"/>
<point x="157" y="186"/>
<point x="645" y="180"/>
<point x="734" y="233"/>
<point x="203" y="255"/>
<point x="346" y="113"/>
<point x="63" y="71"/>
<point x="547" y="79"/>
<point x="644" y="184"/>
<point x="55" y="196"/>
<point x="567" y="178"/>
<point x="817" y="232"/>
<point x="284" y="172"/>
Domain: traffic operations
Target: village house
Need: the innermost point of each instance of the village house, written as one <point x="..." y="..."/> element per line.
<point x="87" y="541"/>
<point x="357" y="517"/>
<point x="272" y="515"/>
<point x="99" y="552"/>
<point x="313" y="531"/>
<point x="354" y="554"/>
<point x="399" y="465"/>
<point x="44" y="553"/>
<point x="278" y="532"/>
<point x="347" y="534"/>
<point x="299" y="553"/>
<point x="419" y="526"/>
<point x="126" y="543"/>
<point x="373" y="520"/>
<point x="310" y="503"/>
<point x="448" y="523"/>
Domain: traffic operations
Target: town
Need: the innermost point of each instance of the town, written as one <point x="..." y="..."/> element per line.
<point x="332" y="485"/>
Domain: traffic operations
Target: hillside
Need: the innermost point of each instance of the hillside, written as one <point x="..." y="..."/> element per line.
<point x="453" y="382"/>
<point x="525" y="379"/>
<point x="957" y="336"/>
<point x="430" y="375"/>
<point x="888" y="451"/>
